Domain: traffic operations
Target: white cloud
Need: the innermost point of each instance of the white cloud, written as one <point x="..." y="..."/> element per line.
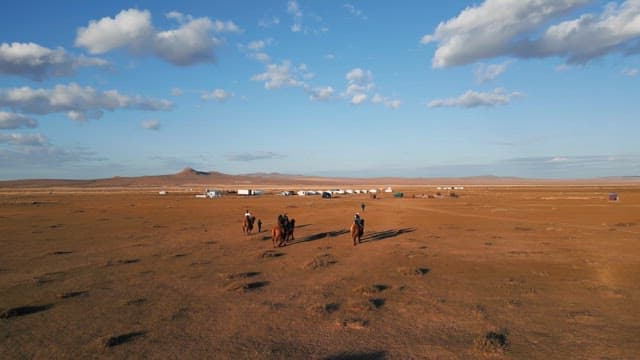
<point x="278" y="76"/>
<point x="176" y="92"/>
<point x="129" y="28"/>
<point x="557" y="159"/>
<point x="359" y="76"/>
<point x="330" y="56"/>
<point x="630" y="72"/>
<point x="293" y="9"/>
<point x="358" y="99"/>
<point x="218" y="95"/>
<point x="259" y="155"/>
<point x="151" y="124"/>
<point x="79" y="103"/>
<point x="24" y="139"/>
<point x="360" y="85"/>
<point x="16" y="121"/>
<point x="192" y="42"/>
<point x="355" y="11"/>
<point x="187" y="45"/>
<point x="226" y="26"/>
<point x="504" y="28"/>
<point x="472" y="99"/>
<point x="255" y="50"/>
<point x="390" y="103"/>
<point x="488" y="72"/>
<point x="268" y="22"/>
<point x="321" y="93"/>
<point x="38" y="63"/>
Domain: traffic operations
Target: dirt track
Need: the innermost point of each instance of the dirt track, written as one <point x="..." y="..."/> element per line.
<point x="522" y="272"/>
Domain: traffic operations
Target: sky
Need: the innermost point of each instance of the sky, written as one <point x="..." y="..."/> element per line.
<point x="526" y="88"/>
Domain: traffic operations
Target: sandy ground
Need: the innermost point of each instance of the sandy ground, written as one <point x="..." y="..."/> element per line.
<point x="522" y="272"/>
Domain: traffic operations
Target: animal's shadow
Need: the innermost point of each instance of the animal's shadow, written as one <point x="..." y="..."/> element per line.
<point x="319" y="236"/>
<point x="386" y="234"/>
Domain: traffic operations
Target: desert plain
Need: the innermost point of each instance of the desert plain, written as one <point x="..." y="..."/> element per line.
<point x="526" y="272"/>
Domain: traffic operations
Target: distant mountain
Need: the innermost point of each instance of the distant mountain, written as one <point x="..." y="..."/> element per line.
<point x="196" y="178"/>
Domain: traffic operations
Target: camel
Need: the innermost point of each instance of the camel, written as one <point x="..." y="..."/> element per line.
<point x="356" y="231"/>
<point x="247" y="224"/>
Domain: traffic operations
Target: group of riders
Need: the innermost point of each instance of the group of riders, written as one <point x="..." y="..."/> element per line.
<point x="287" y="225"/>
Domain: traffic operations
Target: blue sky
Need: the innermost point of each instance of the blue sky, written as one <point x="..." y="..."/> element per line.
<point x="538" y="89"/>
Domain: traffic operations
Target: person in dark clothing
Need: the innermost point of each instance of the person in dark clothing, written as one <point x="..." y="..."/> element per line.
<point x="259" y="225"/>
<point x="362" y="206"/>
<point x="357" y="219"/>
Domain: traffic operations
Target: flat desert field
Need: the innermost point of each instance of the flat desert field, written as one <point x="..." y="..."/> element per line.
<point x="525" y="272"/>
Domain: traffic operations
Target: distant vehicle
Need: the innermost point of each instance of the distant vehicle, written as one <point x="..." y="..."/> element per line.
<point x="326" y="195"/>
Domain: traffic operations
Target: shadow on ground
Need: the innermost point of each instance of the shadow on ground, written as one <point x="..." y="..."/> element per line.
<point x="386" y="234"/>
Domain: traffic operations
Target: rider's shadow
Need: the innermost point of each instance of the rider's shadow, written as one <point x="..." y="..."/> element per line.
<point x="320" y="236"/>
<point x="386" y="234"/>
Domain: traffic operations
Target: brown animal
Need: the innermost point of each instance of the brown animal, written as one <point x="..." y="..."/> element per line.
<point x="278" y="235"/>
<point x="247" y="224"/>
<point x="356" y="231"/>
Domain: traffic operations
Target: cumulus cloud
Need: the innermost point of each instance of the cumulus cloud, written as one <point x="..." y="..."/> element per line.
<point x="39" y="63"/>
<point x="151" y="124"/>
<point x="219" y="95"/>
<point x="129" y="28"/>
<point x="16" y="121"/>
<point x="358" y="99"/>
<point x="259" y="155"/>
<point x="255" y="50"/>
<point x="79" y="103"/>
<point x="279" y="76"/>
<point x="519" y="28"/>
<point x="24" y="139"/>
<point x="191" y="43"/>
<point x="488" y="72"/>
<point x="360" y="86"/>
<point x="320" y="93"/>
<point x="388" y="102"/>
<point x="359" y="82"/>
<point x="472" y="99"/>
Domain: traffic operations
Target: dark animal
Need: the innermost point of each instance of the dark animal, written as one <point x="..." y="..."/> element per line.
<point x="283" y="232"/>
<point x="357" y="229"/>
<point x="290" y="226"/>
<point x="247" y="224"/>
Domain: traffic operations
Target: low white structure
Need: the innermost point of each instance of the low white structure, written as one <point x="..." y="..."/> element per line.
<point x="163" y="192"/>
<point x="212" y="193"/>
<point x="249" y="192"/>
<point x="388" y="189"/>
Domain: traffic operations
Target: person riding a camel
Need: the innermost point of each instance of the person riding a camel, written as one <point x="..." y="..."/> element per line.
<point x="247" y="213"/>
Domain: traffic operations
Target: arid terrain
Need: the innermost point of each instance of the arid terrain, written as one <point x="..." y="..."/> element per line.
<point x="526" y="272"/>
